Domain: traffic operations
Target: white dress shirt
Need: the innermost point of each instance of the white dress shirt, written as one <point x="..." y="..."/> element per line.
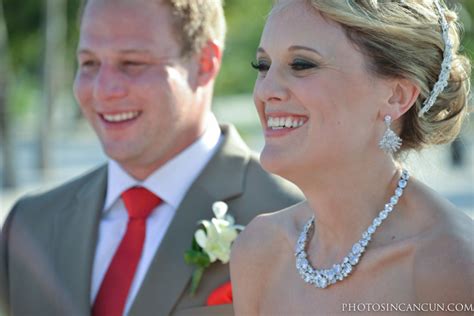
<point x="170" y="183"/>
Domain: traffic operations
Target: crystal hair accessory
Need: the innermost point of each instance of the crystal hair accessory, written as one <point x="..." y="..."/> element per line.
<point x="322" y="278"/>
<point x="445" y="65"/>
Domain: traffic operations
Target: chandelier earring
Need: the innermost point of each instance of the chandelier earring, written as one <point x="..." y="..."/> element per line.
<point x="390" y="142"/>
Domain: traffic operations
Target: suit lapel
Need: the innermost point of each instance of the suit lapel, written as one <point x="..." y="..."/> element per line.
<point x="76" y="236"/>
<point x="168" y="275"/>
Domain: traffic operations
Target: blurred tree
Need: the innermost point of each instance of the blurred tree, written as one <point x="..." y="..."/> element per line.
<point x="24" y="30"/>
<point x="467" y="15"/>
<point x="33" y="61"/>
<point x="8" y="176"/>
<point x="245" y="20"/>
<point x="54" y="65"/>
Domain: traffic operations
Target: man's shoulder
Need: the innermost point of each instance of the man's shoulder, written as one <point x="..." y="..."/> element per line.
<point x="60" y="194"/>
<point x="236" y="163"/>
<point x="270" y="185"/>
<point x="255" y="172"/>
<point x="263" y="192"/>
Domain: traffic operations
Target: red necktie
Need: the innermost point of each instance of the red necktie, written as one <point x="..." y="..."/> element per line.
<point x="113" y="292"/>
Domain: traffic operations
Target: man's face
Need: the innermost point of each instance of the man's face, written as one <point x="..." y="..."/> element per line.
<point x="134" y="87"/>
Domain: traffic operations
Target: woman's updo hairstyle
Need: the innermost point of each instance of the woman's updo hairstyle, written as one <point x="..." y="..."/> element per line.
<point x="403" y="39"/>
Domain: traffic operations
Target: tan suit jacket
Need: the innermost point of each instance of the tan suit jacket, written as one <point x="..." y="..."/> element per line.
<point x="48" y="240"/>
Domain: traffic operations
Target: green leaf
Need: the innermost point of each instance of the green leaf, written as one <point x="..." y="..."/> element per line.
<point x="189" y="256"/>
<point x="197" y="258"/>
<point x="195" y="246"/>
<point x="197" y="276"/>
<point x="203" y="260"/>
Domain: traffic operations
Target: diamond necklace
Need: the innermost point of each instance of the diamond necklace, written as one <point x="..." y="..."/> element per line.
<point x="321" y="278"/>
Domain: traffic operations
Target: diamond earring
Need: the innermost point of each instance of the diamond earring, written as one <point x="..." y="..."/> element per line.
<point x="390" y="142"/>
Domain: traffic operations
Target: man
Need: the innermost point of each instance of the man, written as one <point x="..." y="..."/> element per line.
<point x="144" y="82"/>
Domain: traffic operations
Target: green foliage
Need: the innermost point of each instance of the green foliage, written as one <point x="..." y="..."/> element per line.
<point x="24" y="93"/>
<point x="200" y="260"/>
<point x="25" y="27"/>
<point x="196" y="256"/>
<point x="245" y="23"/>
<point x="24" y="33"/>
<point x="245" y="19"/>
<point x="25" y="21"/>
<point x="467" y="14"/>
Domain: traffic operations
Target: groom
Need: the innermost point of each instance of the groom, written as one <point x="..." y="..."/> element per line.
<point x="112" y="242"/>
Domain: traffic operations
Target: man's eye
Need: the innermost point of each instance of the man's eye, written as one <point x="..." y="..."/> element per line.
<point x="260" y="66"/>
<point x="299" y="65"/>
<point x="88" y="63"/>
<point x="130" y="63"/>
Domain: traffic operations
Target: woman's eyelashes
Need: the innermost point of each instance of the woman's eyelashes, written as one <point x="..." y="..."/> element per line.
<point x="295" y="65"/>
<point x="300" y="64"/>
<point x="260" y="65"/>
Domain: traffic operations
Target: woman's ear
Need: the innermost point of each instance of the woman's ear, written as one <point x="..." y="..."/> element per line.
<point x="209" y="63"/>
<point x="403" y="96"/>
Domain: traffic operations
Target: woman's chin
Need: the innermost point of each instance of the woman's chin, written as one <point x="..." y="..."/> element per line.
<point x="276" y="161"/>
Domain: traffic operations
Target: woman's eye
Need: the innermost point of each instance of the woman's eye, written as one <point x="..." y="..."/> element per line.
<point x="260" y="66"/>
<point x="299" y="65"/>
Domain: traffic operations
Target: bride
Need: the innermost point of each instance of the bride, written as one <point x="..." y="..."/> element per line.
<point x="344" y="89"/>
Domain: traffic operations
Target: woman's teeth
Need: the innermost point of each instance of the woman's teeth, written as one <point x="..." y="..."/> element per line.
<point x="284" y="122"/>
<point x="120" y="117"/>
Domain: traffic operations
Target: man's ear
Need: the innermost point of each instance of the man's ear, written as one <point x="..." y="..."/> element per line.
<point x="209" y="63"/>
<point x="403" y="97"/>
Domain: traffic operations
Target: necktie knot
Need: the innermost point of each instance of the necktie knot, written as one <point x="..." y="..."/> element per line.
<point x="139" y="202"/>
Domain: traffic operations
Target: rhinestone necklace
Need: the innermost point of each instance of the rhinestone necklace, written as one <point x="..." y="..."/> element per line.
<point x="322" y="278"/>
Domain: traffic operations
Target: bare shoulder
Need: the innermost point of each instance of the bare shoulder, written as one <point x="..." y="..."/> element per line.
<point x="266" y="234"/>
<point x="444" y="254"/>
<point x="258" y="244"/>
<point x="253" y="254"/>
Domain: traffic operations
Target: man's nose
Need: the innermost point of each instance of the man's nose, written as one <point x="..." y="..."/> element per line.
<point x="110" y="83"/>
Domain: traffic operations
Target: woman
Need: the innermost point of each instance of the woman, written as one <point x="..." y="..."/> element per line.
<point x="341" y="85"/>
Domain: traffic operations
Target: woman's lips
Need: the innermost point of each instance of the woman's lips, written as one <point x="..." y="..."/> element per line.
<point x="279" y="125"/>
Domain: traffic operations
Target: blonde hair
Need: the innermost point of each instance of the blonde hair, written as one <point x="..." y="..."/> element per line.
<point x="403" y="39"/>
<point x="197" y="22"/>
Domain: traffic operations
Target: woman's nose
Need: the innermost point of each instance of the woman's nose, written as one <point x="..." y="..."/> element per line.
<point x="271" y="87"/>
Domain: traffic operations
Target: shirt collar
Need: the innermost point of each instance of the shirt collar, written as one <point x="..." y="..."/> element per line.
<point x="171" y="181"/>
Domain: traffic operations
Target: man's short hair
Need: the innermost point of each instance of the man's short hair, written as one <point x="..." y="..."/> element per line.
<point x="195" y="22"/>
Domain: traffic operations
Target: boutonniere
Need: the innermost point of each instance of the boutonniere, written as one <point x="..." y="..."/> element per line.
<point x="212" y="242"/>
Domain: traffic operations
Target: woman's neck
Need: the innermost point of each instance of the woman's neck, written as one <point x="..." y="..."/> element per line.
<point x="344" y="202"/>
